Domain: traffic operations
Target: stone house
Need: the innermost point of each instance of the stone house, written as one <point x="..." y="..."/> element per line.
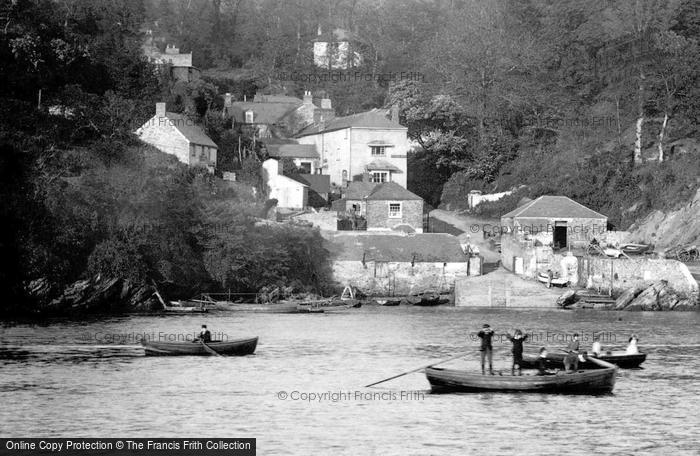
<point x="178" y="135"/>
<point x="398" y="265"/>
<point x="555" y="221"/>
<point x="181" y="67"/>
<point x="385" y="206"/>
<point x="369" y="142"/>
<point x="289" y="193"/>
<point x="390" y="206"/>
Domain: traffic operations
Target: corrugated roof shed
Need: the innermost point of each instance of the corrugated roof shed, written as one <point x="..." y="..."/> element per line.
<point x="426" y="247"/>
<point x="547" y="206"/>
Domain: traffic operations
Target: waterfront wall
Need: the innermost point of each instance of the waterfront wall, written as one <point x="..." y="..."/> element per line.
<point x="622" y="274"/>
<point x="386" y="278"/>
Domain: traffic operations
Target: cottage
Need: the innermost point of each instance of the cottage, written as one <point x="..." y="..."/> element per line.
<point x="557" y="221"/>
<point x="181" y="67"/>
<point x="369" y="142"/>
<point x="289" y="193"/>
<point x="398" y="265"/>
<point x="304" y="156"/>
<point x="277" y="116"/>
<point x="336" y="50"/>
<point x="178" y="135"/>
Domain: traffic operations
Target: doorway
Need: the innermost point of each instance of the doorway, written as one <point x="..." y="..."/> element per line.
<point x="559" y="235"/>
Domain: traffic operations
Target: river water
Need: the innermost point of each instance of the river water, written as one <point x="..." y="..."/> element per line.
<point x="302" y="392"/>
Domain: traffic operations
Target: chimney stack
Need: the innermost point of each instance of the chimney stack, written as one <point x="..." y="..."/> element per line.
<point x="326" y="103"/>
<point x="308" y="98"/>
<point x="160" y="110"/>
<point x="395" y="113"/>
<point x="227" y="100"/>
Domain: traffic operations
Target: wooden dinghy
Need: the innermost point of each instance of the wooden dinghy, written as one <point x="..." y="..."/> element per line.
<point x="598" y="381"/>
<point x="619" y="358"/>
<point x="556" y="281"/>
<point x="239" y="347"/>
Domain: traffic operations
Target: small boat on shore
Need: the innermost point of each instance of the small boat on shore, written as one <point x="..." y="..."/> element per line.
<point x="619" y="358"/>
<point x="239" y="347"/>
<point x="598" y="381"/>
<point x="556" y="281"/>
<point x="388" y="302"/>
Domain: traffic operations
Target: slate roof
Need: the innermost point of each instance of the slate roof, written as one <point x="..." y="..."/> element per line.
<point x="194" y="133"/>
<point x="320" y="183"/>
<point x="376" y="118"/>
<point x="423" y="247"/>
<point x="391" y="191"/>
<point x="547" y="206"/>
<point x="382" y="165"/>
<point x="263" y="113"/>
<point x="292" y="150"/>
<point x="359" y="190"/>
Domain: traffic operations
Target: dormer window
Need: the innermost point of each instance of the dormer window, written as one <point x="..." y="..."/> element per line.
<point x="378" y="151"/>
<point x="249" y="117"/>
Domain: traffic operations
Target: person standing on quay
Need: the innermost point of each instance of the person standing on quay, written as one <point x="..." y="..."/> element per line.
<point x="486" y="334"/>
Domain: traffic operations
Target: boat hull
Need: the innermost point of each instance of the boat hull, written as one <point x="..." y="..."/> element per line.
<point x="620" y="359"/>
<point x="559" y="282"/>
<point x="601" y="381"/>
<point x="239" y="347"/>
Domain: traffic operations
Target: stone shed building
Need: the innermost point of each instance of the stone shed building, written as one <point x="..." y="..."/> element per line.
<point x="390" y="206"/>
<point x="399" y="265"/>
<point x="555" y="221"/>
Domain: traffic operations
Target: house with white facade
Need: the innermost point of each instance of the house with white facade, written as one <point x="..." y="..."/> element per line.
<point x="289" y="193"/>
<point x="336" y="50"/>
<point x="178" y="135"/>
<point x="369" y="142"/>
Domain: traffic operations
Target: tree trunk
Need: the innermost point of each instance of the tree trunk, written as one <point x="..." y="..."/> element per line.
<point x="661" y="137"/>
<point x="638" y="159"/>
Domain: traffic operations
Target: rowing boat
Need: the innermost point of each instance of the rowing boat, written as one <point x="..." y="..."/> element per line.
<point x="232" y="348"/>
<point x="557" y="281"/>
<point x="620" y="358"/>
<point x="598" y="381"/>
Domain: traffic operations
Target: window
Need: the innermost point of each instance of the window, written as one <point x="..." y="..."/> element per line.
<point x="378" y="151"/>
<point x="249" y="117"/>
<point x="394" y="210"/>
<point x="380" y="176"/>
<point x="305" y="167"/>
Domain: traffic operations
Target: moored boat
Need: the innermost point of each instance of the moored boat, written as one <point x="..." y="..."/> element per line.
<point x="239" y="347"/>
<point x="619" y="358"/>
<point x="557" y="281"/>
<point x="598" y="381"/>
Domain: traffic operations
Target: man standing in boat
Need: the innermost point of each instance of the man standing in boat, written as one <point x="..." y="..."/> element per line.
<point x="517" y="339"/>
<point x="571" y="359"/>
<point x="486" y="334"/>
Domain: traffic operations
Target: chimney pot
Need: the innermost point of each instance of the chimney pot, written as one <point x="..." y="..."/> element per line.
<point x="308" y="98"/>
<point x="160" y="109"/>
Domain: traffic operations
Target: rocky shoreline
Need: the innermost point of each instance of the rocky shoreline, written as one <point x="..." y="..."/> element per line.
<point x="656" y="297"/>
<point x="96" y="295"/>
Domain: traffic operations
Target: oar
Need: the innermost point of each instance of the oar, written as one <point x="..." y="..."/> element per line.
<point x="600" y="362"/>
<point x="416" y="370"/>
<point x="209" y="349"/>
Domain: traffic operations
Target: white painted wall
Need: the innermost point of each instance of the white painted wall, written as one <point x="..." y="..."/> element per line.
<point x="348" y="150"/>
<point x="288" y="192"/>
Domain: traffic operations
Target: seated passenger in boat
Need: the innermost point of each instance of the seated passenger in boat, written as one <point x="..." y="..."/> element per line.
<point x="597" y="349"/>
<point x="542" y="362"/>
<point x="204" y="335"/>
<point x="632" y="346"/>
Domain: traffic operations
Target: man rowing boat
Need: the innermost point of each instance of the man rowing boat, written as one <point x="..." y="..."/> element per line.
<point x="204" y="335"/>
